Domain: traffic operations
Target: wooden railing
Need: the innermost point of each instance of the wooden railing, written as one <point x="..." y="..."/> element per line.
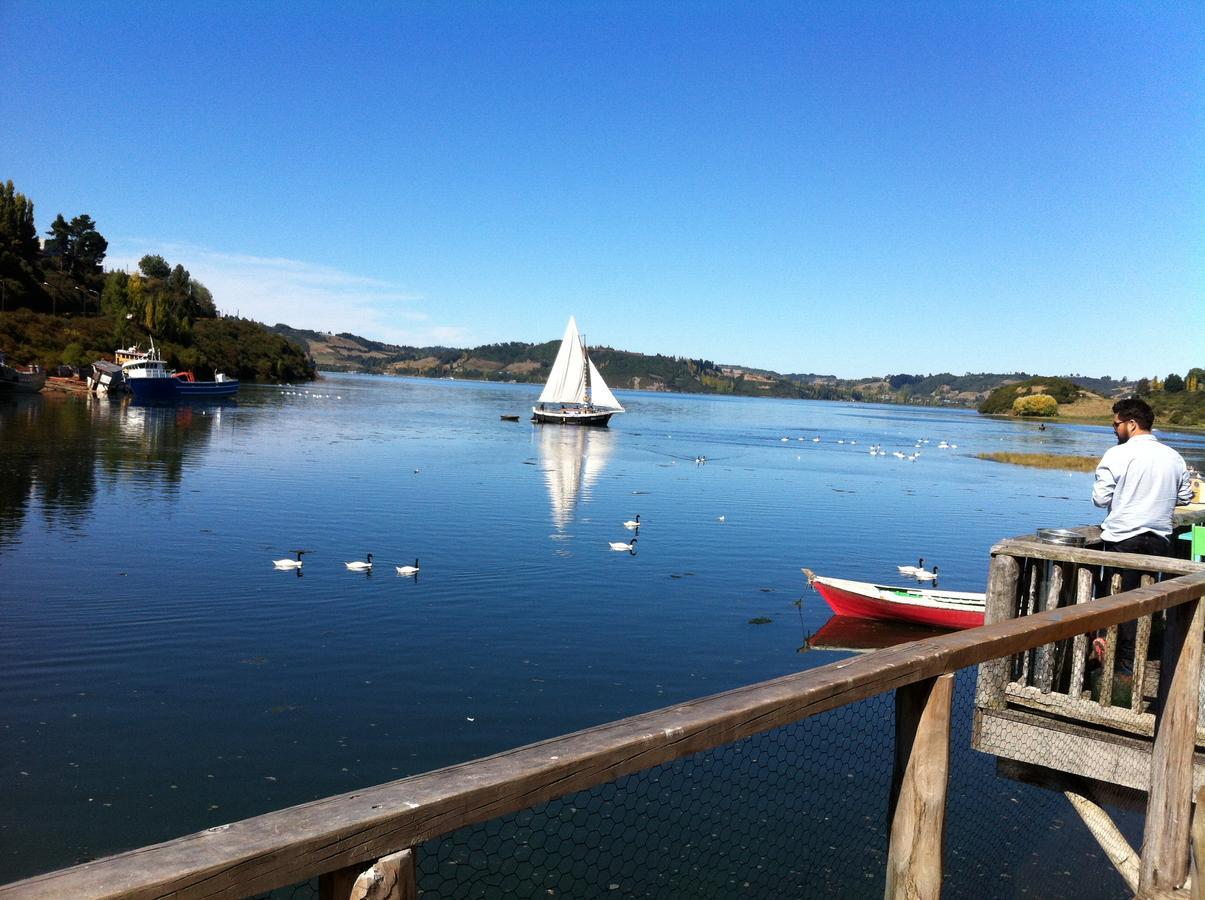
<point x="1029" y="576"/>
<point x="362" y="843"/>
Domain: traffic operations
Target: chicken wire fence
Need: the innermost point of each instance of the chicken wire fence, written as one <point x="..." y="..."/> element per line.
<point x="798" y="811"/>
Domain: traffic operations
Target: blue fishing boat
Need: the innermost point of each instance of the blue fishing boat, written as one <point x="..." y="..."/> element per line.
<point x="150" y="381"/>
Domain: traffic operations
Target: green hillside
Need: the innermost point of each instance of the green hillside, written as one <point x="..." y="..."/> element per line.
<point x="1000" y="401"/>
<point x="58" y="306"/>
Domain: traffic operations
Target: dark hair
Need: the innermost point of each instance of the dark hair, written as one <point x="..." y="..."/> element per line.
<point x="1138" y="410"/>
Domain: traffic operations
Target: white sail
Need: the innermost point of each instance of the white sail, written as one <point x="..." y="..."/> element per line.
<point x="600" y="394"/>
<point x="567" y="382"/>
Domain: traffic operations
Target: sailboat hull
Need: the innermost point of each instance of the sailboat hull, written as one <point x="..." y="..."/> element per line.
<point x="592" y="417"/>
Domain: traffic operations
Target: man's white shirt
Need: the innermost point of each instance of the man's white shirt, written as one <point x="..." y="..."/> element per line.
<point x="1140" y="482"/>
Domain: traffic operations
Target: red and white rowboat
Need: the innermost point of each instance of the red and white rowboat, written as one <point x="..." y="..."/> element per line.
<point x="942" y="609"/>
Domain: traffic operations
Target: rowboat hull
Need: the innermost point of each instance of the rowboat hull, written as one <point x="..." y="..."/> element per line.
<point x="939" y="609"/>
<point x="571" y="417"/>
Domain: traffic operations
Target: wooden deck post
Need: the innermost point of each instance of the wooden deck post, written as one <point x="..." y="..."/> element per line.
<point x="1197" y="867"/>
<point x="389" y="878"/>
<point x="1000" y="606"/>
<point x="1169" y="804"/>
<point x="917" y="811"/>
<point x="1043" y="657"/>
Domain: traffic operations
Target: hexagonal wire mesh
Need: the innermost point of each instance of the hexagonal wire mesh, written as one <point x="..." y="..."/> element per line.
<point x="795" y="812"/>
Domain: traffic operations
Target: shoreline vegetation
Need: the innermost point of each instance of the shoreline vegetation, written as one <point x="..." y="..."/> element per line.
<point x="1061" y="461"/>
<point x="60" y="308"/>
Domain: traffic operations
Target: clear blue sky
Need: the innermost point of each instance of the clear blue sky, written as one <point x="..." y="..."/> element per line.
<point x="836" y="187"/>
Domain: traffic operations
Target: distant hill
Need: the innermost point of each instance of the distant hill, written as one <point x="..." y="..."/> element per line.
<point x="523" y="362"/>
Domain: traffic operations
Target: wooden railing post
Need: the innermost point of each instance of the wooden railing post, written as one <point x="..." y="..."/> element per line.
<point x="1197" y="866"/>
<point x="1001" y="603"/>
<point x="917" y="811"/>
<point x="1169" y="804"/>
<point x="389" y="878"/>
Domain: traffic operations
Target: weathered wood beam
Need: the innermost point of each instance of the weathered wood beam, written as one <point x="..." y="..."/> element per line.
<point x="1165" y="843"/>
<point x="392" y="877"/>
<point x="1198" y="847"/>
<point x="1108" y="836"/>
<point x="1043" y="664"/>
<point x="1079" y="651"/>
<point x="1164" y="565"/>
<point x="293" y="845"/>
<point x="1001" y="599"/>
<point x="917" y="810"/>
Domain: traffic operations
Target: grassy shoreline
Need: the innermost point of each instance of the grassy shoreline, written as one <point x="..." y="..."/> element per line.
<point x="1045" y="461"/>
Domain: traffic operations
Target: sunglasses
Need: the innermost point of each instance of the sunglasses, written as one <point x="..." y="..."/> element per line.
<point x="1117" y="425"/>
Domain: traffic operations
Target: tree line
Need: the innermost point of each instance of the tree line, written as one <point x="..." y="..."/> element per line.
<point x="62" y="307"/>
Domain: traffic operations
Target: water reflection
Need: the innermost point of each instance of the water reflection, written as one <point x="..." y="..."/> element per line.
<point x="574" y="459"/>
<point x="54" y="453"/>
<point x="865" y="635"/>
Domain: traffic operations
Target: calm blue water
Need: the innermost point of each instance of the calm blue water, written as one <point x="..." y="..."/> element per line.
<point x="158" y="676"/>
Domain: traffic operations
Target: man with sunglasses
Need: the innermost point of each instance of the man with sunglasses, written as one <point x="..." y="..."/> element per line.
<point x="1139" y="482"/>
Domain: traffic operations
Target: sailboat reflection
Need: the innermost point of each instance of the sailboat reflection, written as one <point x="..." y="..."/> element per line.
<point x="573" y="460"/>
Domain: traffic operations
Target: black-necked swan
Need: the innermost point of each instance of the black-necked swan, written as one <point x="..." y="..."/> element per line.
<point x="620" y="545"/>
<point x="632" y="523"/>
<point x="360" y="565"/>
<point x="922" y="575"/>
<point x="408" y="570"/>
<point x="912" y="570"/>
<point x="289" y="563"/>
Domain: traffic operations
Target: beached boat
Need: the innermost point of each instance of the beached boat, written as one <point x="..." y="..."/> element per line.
<point x="575" y="393"/>
<point x="941" y="609"/>
<point x="20" y="379"/>
<point x="106" y="379"/>
<point x="149" y="380"/>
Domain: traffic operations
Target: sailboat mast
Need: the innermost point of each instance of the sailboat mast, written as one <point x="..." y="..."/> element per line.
<point x="586" y="368"/>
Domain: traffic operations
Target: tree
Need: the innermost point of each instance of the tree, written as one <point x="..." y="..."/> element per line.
<point x="1142" y="388"/>
<point x="1173" y="384"/>
<point x="59" y="234"/>
<point x="154" y="266"/>
<point x="90" y="245"/>
<point x="76" y="245"/>
<point x="18" y="234"/>
<point x="1036" y="405"/>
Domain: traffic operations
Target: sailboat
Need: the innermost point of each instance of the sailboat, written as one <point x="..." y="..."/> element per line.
<point x="575" y="393"/>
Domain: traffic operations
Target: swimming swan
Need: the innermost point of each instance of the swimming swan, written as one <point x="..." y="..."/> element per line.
<point x="408" y="570"/>
<point x="922" y="575"/>
<point x="360" y="565"/>
<point x="289" y="563"/>
<point x="912" y="570"/>
<point x="632" y="523"/>
<point x="621" y="546"/>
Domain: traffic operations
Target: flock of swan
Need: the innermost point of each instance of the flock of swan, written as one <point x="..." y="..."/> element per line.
<point x="877" y="449"/>
<point x="365" y="565"/>
<point x="357" y="565"/>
